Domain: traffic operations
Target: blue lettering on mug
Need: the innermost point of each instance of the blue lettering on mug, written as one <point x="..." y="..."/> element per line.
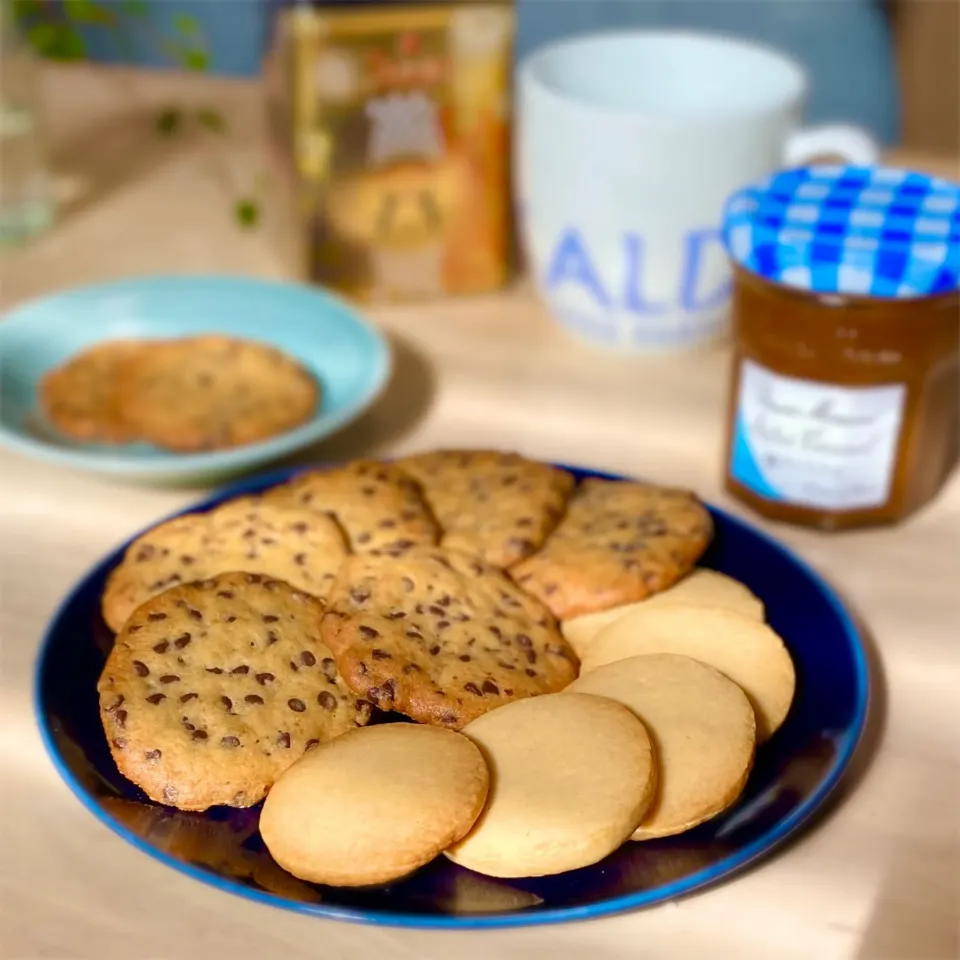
<point x="571" y="263"/>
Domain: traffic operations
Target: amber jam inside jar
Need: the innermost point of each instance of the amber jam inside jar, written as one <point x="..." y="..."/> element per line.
<point x="845" y="402"/>
<point x="844" y="410"/>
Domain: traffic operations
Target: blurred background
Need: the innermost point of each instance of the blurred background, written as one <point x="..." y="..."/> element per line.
<point x="888" y="65"/>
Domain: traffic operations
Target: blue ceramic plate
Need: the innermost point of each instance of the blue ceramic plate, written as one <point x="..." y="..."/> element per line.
<point x="794" y="773"/>
<point x="348" y="356"/>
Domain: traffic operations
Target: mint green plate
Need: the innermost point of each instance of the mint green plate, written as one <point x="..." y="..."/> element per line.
<point x="346" y="353"/>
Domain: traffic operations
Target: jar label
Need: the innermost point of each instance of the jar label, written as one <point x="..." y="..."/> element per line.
<point x="815" y="444"/>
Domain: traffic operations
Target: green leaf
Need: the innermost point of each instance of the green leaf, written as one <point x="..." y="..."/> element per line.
<point x="196" y="60"/>
<point x="211" y="119"/>
<point x="136" y="8"/>
<point x="57" y="41"/>
<point x="169" y="120"/>
<point x="246" y="212"/>
<point x="187" y="25"/>
<point x="86" y="11"/>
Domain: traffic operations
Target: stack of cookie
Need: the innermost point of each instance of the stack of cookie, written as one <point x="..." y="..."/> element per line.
<point x="188" y="394"/>
<point x="455" y="589"/>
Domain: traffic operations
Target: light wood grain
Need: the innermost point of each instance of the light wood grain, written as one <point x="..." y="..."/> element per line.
<point x="878" y="878"/>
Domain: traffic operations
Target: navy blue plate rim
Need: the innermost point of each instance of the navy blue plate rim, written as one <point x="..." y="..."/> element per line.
<point x="725" y="868"/>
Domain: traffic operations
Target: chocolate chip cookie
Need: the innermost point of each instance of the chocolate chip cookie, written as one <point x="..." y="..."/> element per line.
<point x="376" y="504"/>
<point x="212" y="392"/>
<point x="79" y="397"/>
<point x="619" y="542"/>
<point x="213" y="689"/>
<point x="498" y="506"/>
<point x="441" y="636"/>
<point x="298" y="546"/>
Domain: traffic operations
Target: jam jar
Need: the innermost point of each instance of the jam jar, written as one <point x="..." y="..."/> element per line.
<point x="844" y="407"/>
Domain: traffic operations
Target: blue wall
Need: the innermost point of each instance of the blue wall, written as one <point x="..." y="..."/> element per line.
<point x="845" y="44"/>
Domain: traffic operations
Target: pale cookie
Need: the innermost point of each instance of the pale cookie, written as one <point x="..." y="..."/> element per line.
<point x="498" y="506"/>
<point x="375" y="805"/>
<point x="572" y="776"/>
<point x="703" y="732"/>
<point x="619" y="542"/>
<point x="377" y="504"/>
<point x="700" y="588"/>
<point x="214" y="688"/>
<point x="298" y="546"/>
<point x="211" y="392"/>
<point x="79" y="397"/>
<point x="747" y="652"/>
<point x="440" y="636"/>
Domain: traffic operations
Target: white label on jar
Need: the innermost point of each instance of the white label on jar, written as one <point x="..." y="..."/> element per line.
<point x="815" y="444"/>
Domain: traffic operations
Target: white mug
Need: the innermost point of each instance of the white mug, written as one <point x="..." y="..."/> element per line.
<point x="628" y="144"/>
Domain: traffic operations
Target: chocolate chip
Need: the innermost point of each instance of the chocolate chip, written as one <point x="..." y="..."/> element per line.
<point x="408" y="584"/>
<point x="152" y="755"/>
<point x="120" y="717"/>
<point x="496" y="631"/>
<point x="411" y="668"/>
<point x="359" y="595"/>
<point x="271" y="637"/>
<point x="310" y="744"/>
<point x="227" y="702"/>
<point x="307" y="658"/>
<point x="531" y="656"/>
<point x="435" y="649"/>
<point x="187" y="724"/>
<point x="155" y="698"/>
<point x="293" y="666"/>
<point x="329" y="667"/>
<point x="264" y="678"/>
<point x="161" y="647"/>
<point x="115" y="705"/>
<point x="195" y="614"/>
<point x="169" y="678"/>
<point x="297" y="706"/>
<point x="525" y="522"/>
<point x="226" y="594"/>
<point x="507" y="692"/>
<point x="145" y="553"/>
<point x="473" y="688"/>
<point x="270" y="618"/>
<point x="465" y="657"/>
<point x="134" y="628"/>
<point x="198" y="735"/>
<point x="368" y="633"/>
<point x="189" y="696"/>
<point x="300" y="559"/>
<point x="141" y="668"/>
<point x="362" y="668"/>
<point x="414" y="633"/>
<point x="252" y="698"/>
<point x="435" y="610"/>
<point x="521" y="544"/>
<point x="379" y="654"/>
<point x="387" y="524"/>
<point x="283" y="739"/>
<point x="449" y="718"/>
<point x="214" y="670"/>
<point x="529" y="672"/>
<point x="120" y="743"/>
<point x="187" y="560"/>
<point x="229" y="619"/>
<point x="182" y="641"/>
<point x="445" y="600"/>
<point x="505" y="665"/>
<point x="229" y="741"/>
<point x="327" y="700"/>
<point x="490" y="687"/>
<point x="254" y="578"/>
<point x="395" y="615"/>
<point x="524" y="640"/>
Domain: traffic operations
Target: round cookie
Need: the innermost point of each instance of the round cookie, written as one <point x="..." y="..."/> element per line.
<point x="440" y="636"/>
<point x="572" y="776"/>
<point x="213" y="689"/>
<point x="748" y="652"/>
<point x="301" y="547"/>
<point x="620" y="541"/>
<point x="700" y="588"/>
<point x="79" y="396"/>
<point x="211" y="392"/>
<point x="377" y="504"/>
<point x="375" y="805"/>
<point x="703" y="732"/>
<point x="497" y="506"/>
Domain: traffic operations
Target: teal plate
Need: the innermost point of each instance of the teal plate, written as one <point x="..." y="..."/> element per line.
<point x="346" y="353"/>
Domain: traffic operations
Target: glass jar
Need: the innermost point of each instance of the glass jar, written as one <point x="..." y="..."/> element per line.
<point x="845" y="401"/>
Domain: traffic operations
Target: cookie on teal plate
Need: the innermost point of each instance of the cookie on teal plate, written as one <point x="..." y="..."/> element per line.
<point x="347" y="354"/>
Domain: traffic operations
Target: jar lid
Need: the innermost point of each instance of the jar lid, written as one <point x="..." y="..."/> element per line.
<point x="870" y="231"/>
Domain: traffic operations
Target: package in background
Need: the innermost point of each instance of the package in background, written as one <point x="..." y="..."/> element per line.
<point x="394" y="120"/>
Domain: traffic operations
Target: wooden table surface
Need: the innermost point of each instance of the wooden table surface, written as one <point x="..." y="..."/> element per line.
<point x="878" y="878"/>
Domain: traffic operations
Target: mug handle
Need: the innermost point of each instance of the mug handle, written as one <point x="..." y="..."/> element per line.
<point x="852" y="143"/>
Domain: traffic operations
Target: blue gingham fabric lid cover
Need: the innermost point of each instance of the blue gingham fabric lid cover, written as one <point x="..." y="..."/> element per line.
<point x="872" y="231"/>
